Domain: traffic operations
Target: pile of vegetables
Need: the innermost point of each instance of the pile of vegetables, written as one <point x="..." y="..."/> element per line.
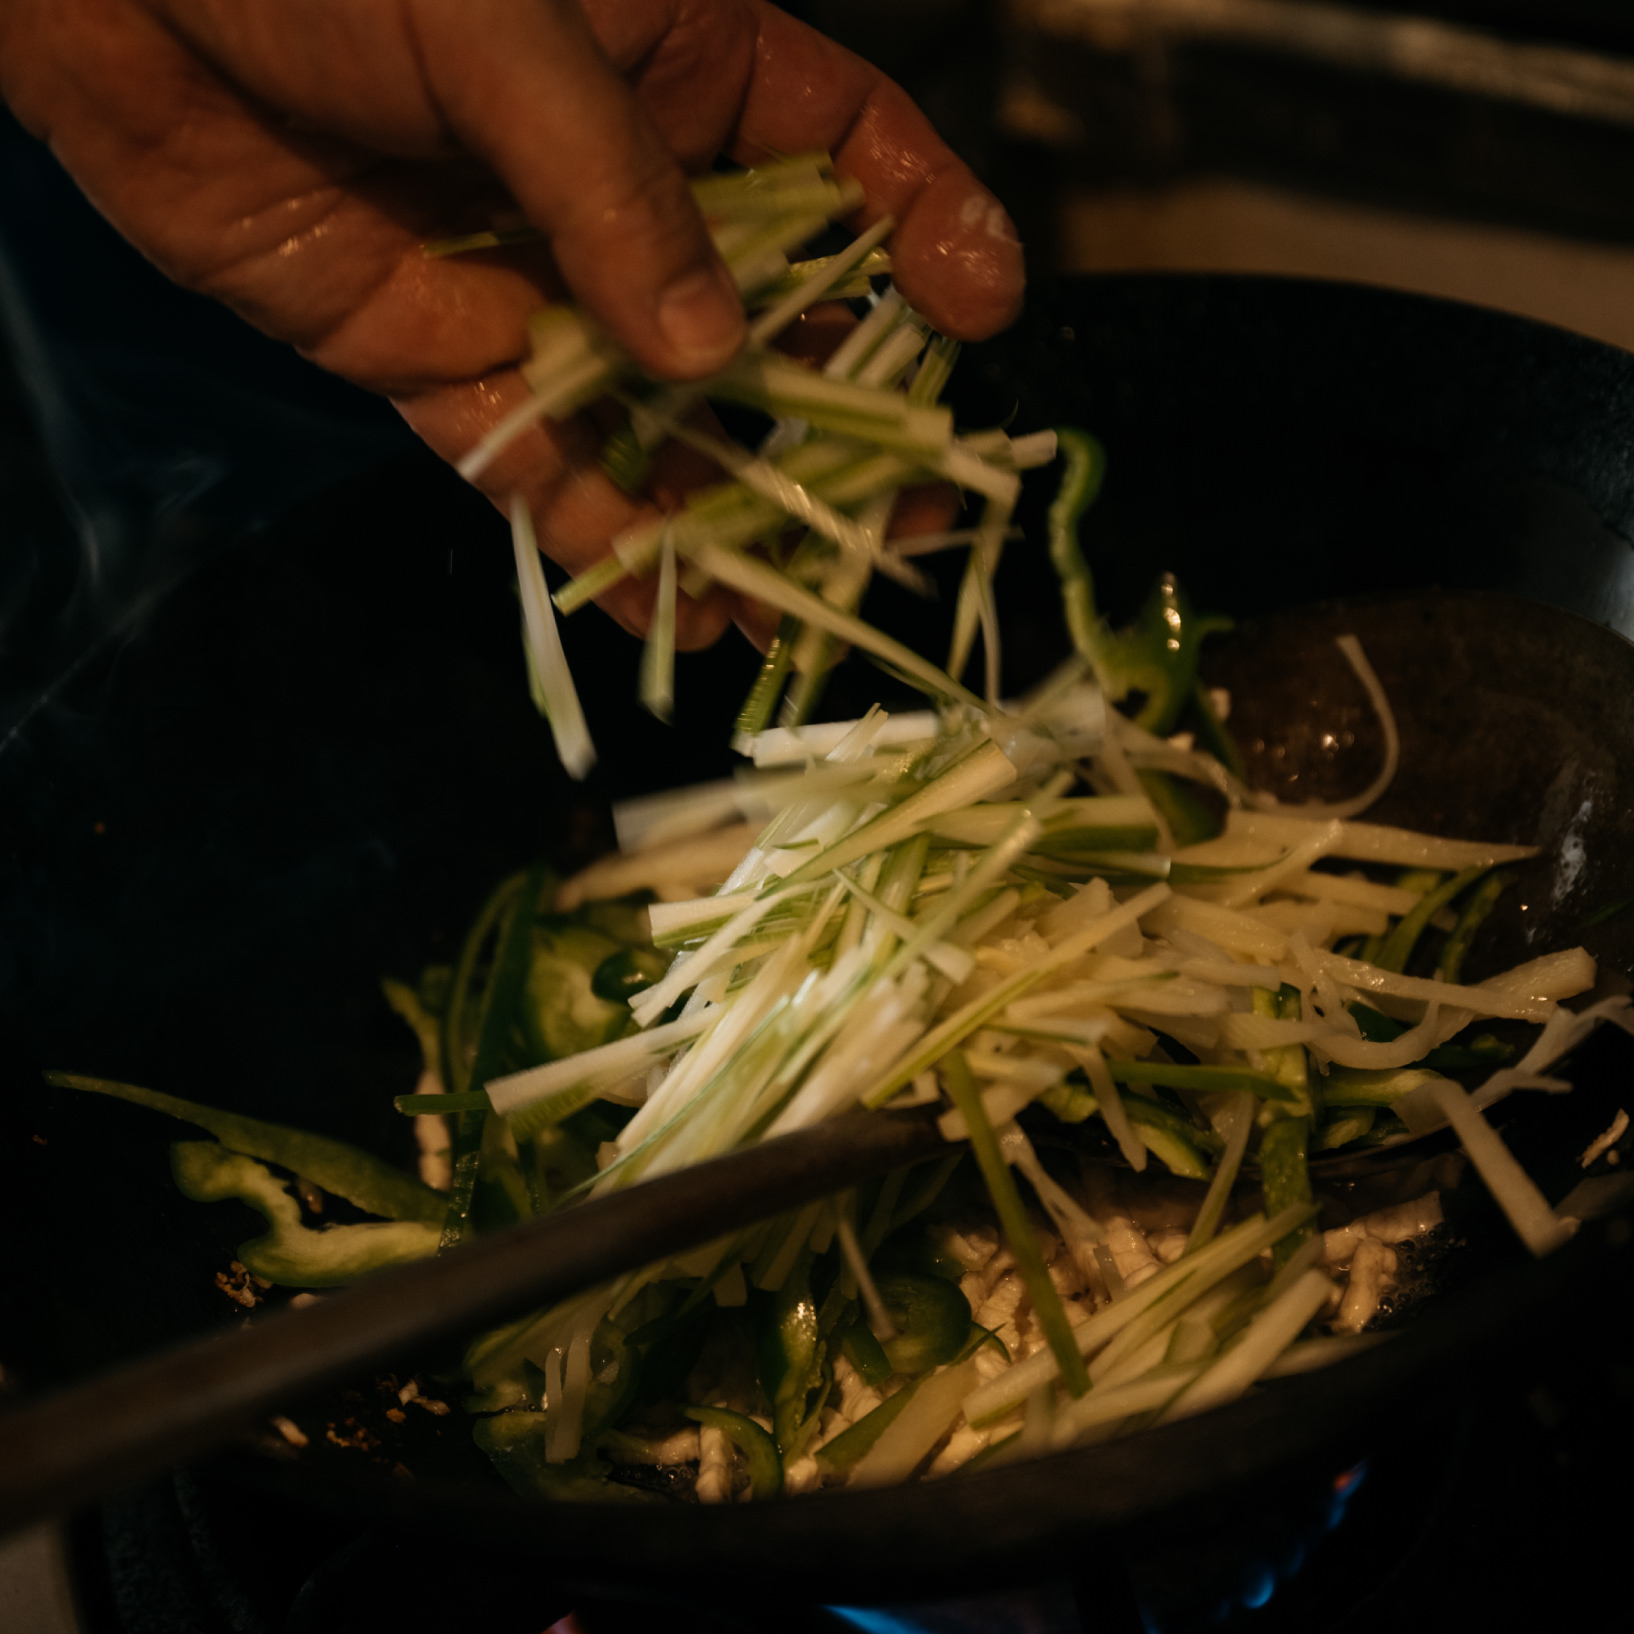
<point x="1064" y="921"/>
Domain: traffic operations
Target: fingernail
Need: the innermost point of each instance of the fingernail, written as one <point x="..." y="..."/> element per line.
<point x="702" y="318"/>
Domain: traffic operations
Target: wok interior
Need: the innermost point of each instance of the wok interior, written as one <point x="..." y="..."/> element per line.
<point x="1259" y="434"/>
<point x="1515" y="722"/>
<point x="1515" y="719"/>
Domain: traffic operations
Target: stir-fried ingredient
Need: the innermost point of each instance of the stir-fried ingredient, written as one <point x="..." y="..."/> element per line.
<point x="941" y="910"/>
<point x="1065" y="922"/>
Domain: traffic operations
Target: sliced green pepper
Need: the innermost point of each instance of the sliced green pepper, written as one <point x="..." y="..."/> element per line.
<point x="1214" y="735"/>
<point x="561" y="1012"/>
<point x="1287" y="1063"/>
<point x="614" y="1376"/>
<point x="1070" y="1101"/>
<point x="931" y="1316"/>
<point x="758" y="1449"/>
<point x="358" y="1176"/>
<point x="866" y="1354"/>
<point x="1284" y="1171"/>
<point x="516" y="1442"/>
<point x="1285" y="1177"/>
<point x="511" y="910"/>
<point x="1084" y="468"/>
<point x="1174" y="1152"/>
<point x="792" y="1360"/>
<point x="1156" y="656"/>
<point x="626" y="972"/>
<point x="292" y="1253"/>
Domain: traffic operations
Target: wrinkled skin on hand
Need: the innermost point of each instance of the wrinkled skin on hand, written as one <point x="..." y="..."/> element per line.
<point x="289" y="157"/>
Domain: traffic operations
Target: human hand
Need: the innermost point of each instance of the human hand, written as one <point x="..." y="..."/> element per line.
<point x="291" y="156"/>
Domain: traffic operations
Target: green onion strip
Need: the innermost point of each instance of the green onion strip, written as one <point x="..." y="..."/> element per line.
<point x="1018" y="1228"/>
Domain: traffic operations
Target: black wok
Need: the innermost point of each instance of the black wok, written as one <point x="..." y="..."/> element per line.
<point x="309" y="762"/>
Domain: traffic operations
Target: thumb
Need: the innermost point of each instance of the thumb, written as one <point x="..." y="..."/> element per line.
<point x="527" y="88"/>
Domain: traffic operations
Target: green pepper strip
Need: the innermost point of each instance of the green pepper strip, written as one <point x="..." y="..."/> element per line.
<point x="500" y="998"/>
<point x="1085" y="466"/>
<point x="791" y="1360"/>
<point x="1159" y="654"/>
<point x="1166" y="1143"/>
<point x="1285" y="1178"/>
<point x="1018" y="1229"/>
<point x="866" y="1354"/>
<point x="1287" y="1062"/>
<point x="1284" y="1174"/>
<point x="1451" y="963"/>
<point x="500" y="1165"/>
<point x="358" y="1176"/>
<point x="932" y="1318"/>
<point x="758" y="1448"/>
<point x="1483" y="1052"/>
<point x="1160" y="1115"/>
<point x="1399" y="944"/>
<point x="1215" y="735"/>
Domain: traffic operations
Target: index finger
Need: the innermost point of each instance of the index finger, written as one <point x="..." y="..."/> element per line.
<point x="744" y="78"/>
<point x="955" y="251"/>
